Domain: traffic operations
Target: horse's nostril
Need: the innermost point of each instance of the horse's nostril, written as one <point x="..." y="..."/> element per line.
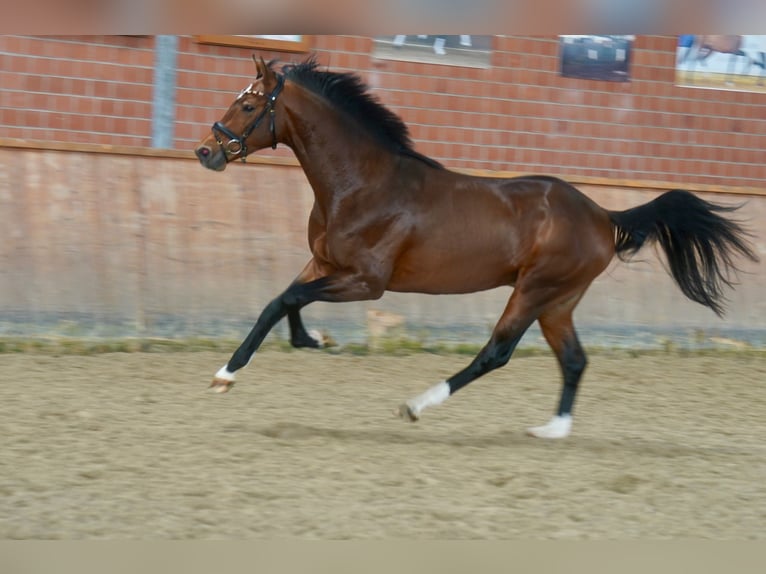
<point x="203" y="152"/>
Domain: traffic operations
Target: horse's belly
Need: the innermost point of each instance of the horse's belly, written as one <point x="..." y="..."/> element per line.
<point x="442" y="274"/>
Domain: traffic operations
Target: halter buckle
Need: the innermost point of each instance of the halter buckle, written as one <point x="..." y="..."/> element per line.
<point x="233" y="147"/>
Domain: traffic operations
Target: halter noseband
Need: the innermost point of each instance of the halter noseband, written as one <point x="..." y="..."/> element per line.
<point x="238" y="144"/>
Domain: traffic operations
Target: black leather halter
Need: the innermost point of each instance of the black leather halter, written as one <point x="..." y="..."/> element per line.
<point x="237" y="145"/>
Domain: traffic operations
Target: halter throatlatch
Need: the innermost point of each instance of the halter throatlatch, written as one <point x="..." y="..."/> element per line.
<point x="238" y="144"/>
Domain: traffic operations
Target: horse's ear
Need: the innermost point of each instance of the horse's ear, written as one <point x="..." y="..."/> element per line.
<point x="264" y="71"/>
<point x="259" y="66"/>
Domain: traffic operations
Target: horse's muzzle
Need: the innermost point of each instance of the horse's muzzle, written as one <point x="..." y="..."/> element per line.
<point x="215" y="160"/>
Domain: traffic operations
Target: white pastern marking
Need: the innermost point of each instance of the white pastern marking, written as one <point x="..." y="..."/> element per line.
<point x="224" y="374"/>
<point x="557" y="427"/>
<point x="317" y="336"/>
<point x="434" y="396"/>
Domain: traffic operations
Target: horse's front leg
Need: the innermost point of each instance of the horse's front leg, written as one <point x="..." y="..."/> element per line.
<point x="269" y="317"/>
<point x="342" y="286"/>
<point x="299" y="336"/>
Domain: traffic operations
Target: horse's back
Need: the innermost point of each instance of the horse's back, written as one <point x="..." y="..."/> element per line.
<point x="557" y="197"/>
<point x="476" y="233"/>
<point x="528" y="206"/>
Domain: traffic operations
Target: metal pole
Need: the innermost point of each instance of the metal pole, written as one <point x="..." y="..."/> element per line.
<point x="163" y="111"/>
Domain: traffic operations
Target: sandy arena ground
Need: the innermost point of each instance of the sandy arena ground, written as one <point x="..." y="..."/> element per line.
<point x="305" y="445"/>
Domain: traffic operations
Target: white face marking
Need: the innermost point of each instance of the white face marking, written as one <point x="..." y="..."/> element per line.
<point x="249" y="90"/>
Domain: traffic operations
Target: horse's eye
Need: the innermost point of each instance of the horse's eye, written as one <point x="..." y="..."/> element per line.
<point x="248" y="108"/>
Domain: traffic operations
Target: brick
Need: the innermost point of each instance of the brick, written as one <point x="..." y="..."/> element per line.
<point x="480" y="115"/>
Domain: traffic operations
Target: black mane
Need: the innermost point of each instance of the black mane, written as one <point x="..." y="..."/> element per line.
<point x="348" y="92"/>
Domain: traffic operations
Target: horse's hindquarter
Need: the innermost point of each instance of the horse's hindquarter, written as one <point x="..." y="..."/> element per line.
<point x="478" y="233"/>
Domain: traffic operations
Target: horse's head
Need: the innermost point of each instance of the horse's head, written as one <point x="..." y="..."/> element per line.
<point x="249" y="123"/>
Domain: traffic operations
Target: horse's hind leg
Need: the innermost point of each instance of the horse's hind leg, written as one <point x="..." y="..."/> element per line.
<point x="553" y="308"/>
<point x="559" y="331"/>
<point x="519" y="314"/>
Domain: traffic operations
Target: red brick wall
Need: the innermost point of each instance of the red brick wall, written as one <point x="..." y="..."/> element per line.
<point x="518" y="115"/>
<point x="85" y="89"/>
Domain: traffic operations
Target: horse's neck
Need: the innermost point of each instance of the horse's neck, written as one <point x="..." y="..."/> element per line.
<point x="334" y="153"/>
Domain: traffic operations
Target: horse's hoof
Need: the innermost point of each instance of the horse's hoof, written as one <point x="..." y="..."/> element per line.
<point x="221" y="385"/>
<point x="406" y="413"/>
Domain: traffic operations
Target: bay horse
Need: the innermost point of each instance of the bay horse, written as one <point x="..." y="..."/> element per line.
<point x="386" y="217"/>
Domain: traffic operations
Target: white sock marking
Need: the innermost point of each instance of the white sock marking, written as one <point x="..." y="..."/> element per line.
<point x="557" y="427"/>
<point x="224" y="374"/>
<point x="317" y="336"/>
<point x="432" y="397"/>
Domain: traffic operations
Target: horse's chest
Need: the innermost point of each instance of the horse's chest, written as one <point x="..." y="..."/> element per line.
<point x="347" y="244"/>
<point x="327" y="248"/>
<point x="319" y="248"/>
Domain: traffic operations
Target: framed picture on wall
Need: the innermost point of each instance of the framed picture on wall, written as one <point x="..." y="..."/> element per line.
<point x="596" y="57"/>
<point x="454" y="50"/>
<point x="736" y="63"/>
<point x="279" y="43"/>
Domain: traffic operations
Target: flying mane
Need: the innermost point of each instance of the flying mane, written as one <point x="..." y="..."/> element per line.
<point x="349" y="93"/>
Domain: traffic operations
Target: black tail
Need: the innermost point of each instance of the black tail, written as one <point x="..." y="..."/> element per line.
<point x="700" y="244"/>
